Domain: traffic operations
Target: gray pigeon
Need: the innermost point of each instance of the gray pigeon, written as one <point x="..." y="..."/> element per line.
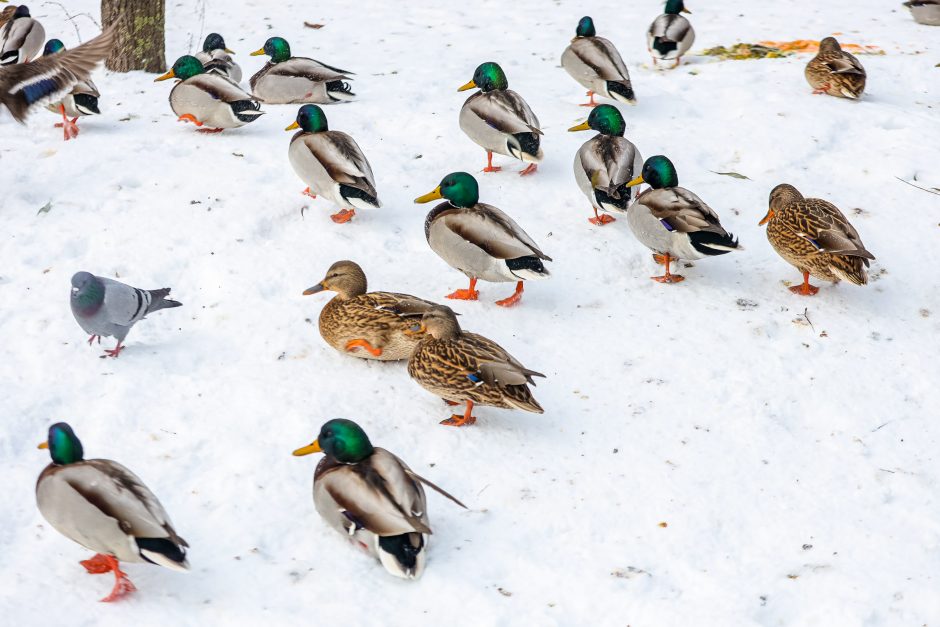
<point x="104" y="307"/>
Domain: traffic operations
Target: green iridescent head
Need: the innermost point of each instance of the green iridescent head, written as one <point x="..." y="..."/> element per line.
<point x="586" y="27"/>
<point x="459" y="188"/>
<point x="185" y="67"/>
<point x="675" y="7"/>
<point x="310" y="118"/>
<point x="658" y="173"/>
<point x="607" y="120"/>
<point x="275" y="47"/>
<point x="53" y="46"/>
<point x="487" y="77"/>
<point x="64" y="446"/>
<point x="87" y="292"/>
<point x="214" y="41"/>
<point x="341" y="439"/>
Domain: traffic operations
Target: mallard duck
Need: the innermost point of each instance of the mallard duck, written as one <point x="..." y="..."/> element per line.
<point x="21" y="38"/>
<point x="7" y="13"/>
<point x="459" y="366"/>
<point x="372" y="321"/>
<point x="815" y="237"/>
<point x="835" y="72"/>
<point x="82" y="100"/>
<point x="606" y="163"/>
<point x="925" y="11"/>
<point x="216" y="58"/>
<point x="331" y="164"/>
<point x="372" y="497"/>
<point x="106" y="508"/>
<point x="672" y="221"/>
<point x="499" y="120"/>
<point x="670" y="35"/>
<point x="209" y="100"/>
<point x="293" y="80"/>
<point x="25" y="87"/>
<point x="480" y="240"/>
<point x="595" y="63"/>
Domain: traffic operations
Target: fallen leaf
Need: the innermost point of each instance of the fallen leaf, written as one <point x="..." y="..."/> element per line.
<point x="45" y="208"/>
<point x="504" y="592"/>
<point x="314" y="26"/>
<point x="733" y="175"/>
<point x="664" y="524"/>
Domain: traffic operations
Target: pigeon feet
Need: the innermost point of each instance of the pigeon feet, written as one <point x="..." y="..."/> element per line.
<point x="113" y="352"/>
<point x="92" y="339"/>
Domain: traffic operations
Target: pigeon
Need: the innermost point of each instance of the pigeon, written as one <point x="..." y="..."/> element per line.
<point x="21" y="38"/>
<point x="107" y="308"/>
<point x="25" y="87"/>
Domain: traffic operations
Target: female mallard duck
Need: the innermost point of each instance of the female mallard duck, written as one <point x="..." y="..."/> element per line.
<point x="371" y="496"/>
<point x="216" y="58"/>
<point x="925" y="11"/>
<point x="480" y="240"/>
<point x="815" y="237"/>
<point x="331" y="164"/>
<point x="670" y="35"/>
<point x="289" y="80"/>
<point x="595" y="63"/>
<point x="28" y="86"/>
<point x="21" y="38"/>
<point x="82" y="100"/>
<point x="499" y="120"/>
<point x="672" y="221"/>
<point x="465" y="367"/>
<point x="106" y="508"/>
<point x="371" y="321"/>
<point x="208" y="99"/>
<point x="835" y="72"/>
<point x="606" y="163"/>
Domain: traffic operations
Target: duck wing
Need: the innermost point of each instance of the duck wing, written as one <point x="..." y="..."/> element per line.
<point x="491" y="230"/>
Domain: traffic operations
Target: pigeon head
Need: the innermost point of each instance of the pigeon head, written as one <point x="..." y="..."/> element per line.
<point x="87" y="292"/>
<point x="341" y="439"/>
<point x="345" y="278"/>
<point x="64" y="446"/>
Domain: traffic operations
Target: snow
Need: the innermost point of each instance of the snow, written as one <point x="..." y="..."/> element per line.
<point x="719" y="452"/>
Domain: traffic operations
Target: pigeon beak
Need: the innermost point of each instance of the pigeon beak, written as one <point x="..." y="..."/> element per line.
<point x="583" y="126"/>
<point x="435" y="195"/>
<point x="467" y="86"/>
<point x="170" y="74"/>
<point x="258" y="52"/>
<point x="292" y="126"/>
<point x="43" y="445"/>
<point x="637" y="181"/>
<point x="307" y="450"/>
<point x="767" y="218"/>
<point x="319" y="287"/>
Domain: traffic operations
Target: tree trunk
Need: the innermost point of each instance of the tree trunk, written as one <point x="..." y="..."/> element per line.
<point x="139" y="42"/>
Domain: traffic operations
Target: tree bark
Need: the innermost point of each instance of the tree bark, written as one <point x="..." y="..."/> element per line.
<point x="139" y="43"/>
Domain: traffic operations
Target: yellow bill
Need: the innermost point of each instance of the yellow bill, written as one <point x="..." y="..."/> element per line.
<point x="43" y="445"/>
<point x="309" y="449"/>
<point x="258" y="52"/>
<point x="637" y="181"/>
<point x="170" y="74"/>
<point x="292" y="126"/>
<point x="229" y="51"/>
<point x="435" y="195"/>
<point x="583" y="126"/>
<point x="467" y="86"/>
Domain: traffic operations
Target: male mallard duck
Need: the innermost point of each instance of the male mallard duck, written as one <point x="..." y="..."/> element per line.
<point x="670" y="35"/>
<point x="835" y="72"/>
<point x="815" y="237"/>
<point x="106" y="508"/>
<point x="499" y="120"/>
<point x="82" y="100"/>
<point x="672" y="221"/>
<point x="606" y="163"/>
<point x="595" y="63"/>
<point x="371" y="321"/>
<point x="289" y="80"/>
<point x="104" y="308"/>
<point x="216" y="58"/>
<point x="27" y="86"/>
<point x="208" y="99"/>
<point x="331" y="164"/>
<point x="925" y="11"/>
<point x="480" y="240"/>
<point x="21" y="38"/>
<point x="371" y="496"/>
<point x="459" y="366"/>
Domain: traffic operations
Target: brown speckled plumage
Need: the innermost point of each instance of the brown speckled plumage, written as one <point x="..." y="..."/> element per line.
<point x="461" y="366"/>
<point x="835" y="72"/>
<point x="815" y="237"/>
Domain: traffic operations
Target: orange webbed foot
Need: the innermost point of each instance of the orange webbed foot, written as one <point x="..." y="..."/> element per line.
<point x="97" y="565"/>
<point x="492" y="168"/>
<point x="122" y="587"/>
<point x="531" y="169"/>
<point x="343" y="216"/>
<point x="189" y="117"/>
<point x="804" y="289"/>
<point x="602" y="219"/>
<point x="307" y="192"/>
<point x="352" y="345"/>
<point x="209" y="130"/>
<point x="464" y="295"/>
<point x="669" y="278"/>
<point x="456" y="420"/>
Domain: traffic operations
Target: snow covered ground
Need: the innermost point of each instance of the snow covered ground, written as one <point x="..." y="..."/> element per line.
<point x="719" y="452"/>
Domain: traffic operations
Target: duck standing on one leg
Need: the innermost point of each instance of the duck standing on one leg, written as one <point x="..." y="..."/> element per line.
<point x="606" y="163"/>
<point x="815" y="237"/>
<point x="670" y="35"/>
<point x="497" y="119"/>
<point x="673" y="222"/>
<point x="82" y="101"/>
<point x="595" y="63"/>
<point x="480" y="240"/>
